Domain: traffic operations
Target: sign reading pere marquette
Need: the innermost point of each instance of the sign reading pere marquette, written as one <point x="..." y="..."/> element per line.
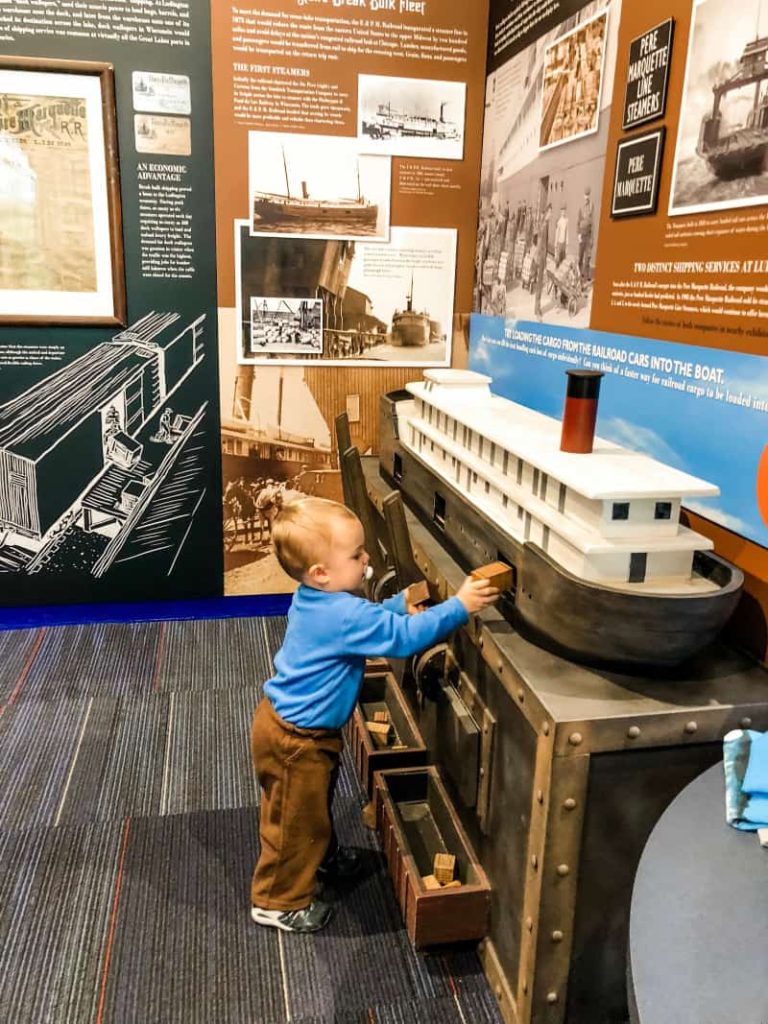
<point x="636" y="184"/>
<point x="647" y="75"/>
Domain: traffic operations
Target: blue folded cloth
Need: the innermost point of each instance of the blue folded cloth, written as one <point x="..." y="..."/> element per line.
<point x="745" y="760"/>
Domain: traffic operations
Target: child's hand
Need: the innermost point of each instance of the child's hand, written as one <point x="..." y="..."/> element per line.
<point x="476" y="594"/>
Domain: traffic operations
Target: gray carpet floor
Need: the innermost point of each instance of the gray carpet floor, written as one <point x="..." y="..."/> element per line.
<point x="128" y="833"/>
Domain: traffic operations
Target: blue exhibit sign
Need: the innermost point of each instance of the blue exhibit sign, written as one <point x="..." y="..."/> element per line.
<point x="702" y="410"/>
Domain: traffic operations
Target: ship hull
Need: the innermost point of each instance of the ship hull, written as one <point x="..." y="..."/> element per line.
<point x="409" y="331"/>
<point x="330" y="217"/>
<point x="739" y="154"/>
<point x="585" y="621"/>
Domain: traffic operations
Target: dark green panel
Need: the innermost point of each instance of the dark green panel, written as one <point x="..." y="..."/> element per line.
<point x="137" y="517"/>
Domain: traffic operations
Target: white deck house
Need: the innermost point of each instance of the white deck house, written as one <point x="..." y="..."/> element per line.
<point x="611" y="516"/>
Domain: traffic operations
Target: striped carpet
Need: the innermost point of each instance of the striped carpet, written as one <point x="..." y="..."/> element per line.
<point x="128" y="832"/>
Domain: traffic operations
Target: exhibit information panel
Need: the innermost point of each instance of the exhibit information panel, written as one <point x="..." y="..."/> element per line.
<point x="109" y="466"/>
<point x="347" y="161"/>
<point x="622" y="229"/>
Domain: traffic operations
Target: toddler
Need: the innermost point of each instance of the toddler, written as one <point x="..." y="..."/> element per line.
<point x="296" y="733"/>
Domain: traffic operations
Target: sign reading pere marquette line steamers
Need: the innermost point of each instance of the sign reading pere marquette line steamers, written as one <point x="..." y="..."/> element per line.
<point x="648" y="75"/>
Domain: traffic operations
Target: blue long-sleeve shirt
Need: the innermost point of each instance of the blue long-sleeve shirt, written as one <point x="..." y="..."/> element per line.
<point x="319" y="668"/>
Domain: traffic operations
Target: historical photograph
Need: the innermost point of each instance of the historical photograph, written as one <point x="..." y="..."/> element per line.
<point x="573" y="78"/>
<point x="540" y="209"/>
<point x="720" y="158"/>
<point x="168" y="136"/>
<point x="157" y="93"/>
<point x="276" y="445"/>
<point x="280" y="326"/>
<point x="60" y="244"/>
<point x="317" y="186"/>
<point x="381" y="304"/>
<point x="411" y="117"/>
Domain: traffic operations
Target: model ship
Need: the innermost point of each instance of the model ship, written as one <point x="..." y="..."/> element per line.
<point x="411" y="329"/>
<point x="604" y="571"/>
<point x="387" y="122"/>
<point x="741" y="151"/>
<point x="272" y="211"/>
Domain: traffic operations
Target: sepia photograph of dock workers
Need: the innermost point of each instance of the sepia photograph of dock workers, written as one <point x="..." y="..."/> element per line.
<point x="317" y="186"/>
<point x="573" y="78"/>
<point x="539" y="207"/>
<point x="411" y="117"/>
<point x="722" y="140"/>
<point x="293" y="326"/>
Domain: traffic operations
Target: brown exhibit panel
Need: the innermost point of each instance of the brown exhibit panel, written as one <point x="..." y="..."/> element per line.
<point x="416" y="821"/>
<point x="285" y="74"/>
<point x="582" y="764"/>
<point x="402" y="747"/>
<point x="679" y="275"/>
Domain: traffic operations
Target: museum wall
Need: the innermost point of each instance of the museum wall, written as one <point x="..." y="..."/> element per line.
<point x="173" y="354"/>
<point x="110" y="479"/>
<point x="622" y="227"/>
<point x="340" y="235"/>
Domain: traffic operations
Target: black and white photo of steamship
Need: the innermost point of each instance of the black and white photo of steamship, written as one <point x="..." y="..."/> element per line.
<point x="411" y="117"/>
<point x="317" y="186"/>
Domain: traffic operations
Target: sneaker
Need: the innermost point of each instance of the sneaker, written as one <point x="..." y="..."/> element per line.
<point x="308" y="919"/>
<point x="344" y="865"/>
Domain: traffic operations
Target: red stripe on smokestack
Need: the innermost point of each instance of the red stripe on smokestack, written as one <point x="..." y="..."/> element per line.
<point x="580" y="412"/>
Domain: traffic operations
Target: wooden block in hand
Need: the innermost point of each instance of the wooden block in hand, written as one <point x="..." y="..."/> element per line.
<point x="498" y="574"/>
<point x="381" y="716"/>
<point x="762" y="835"/>
<point x="430" y="882"/>
<point x="418" y="593"/>
<point x="443" y="867"/>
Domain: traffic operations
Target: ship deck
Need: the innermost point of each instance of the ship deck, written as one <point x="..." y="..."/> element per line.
<point x="608" y="472"/>
<point x="581" y="537"/>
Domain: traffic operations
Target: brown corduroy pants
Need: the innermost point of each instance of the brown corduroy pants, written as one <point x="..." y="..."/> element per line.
<point x="297" y="770"/>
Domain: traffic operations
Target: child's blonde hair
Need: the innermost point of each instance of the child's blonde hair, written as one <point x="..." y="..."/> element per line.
<point x="303" y="531"/>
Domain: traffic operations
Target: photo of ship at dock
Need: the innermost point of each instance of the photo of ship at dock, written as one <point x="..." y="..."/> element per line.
<point x="378" y="304"/>
<point x="316" y="186"/>
<point x="412" y="328"/>
<point x="411" y="117"/>
<point x="720" y="161"/>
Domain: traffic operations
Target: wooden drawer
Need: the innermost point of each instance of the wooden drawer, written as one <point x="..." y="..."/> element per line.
<point x="416" y="820"/>
<point x="375" y="666"/>
<point x="379" y="692"/>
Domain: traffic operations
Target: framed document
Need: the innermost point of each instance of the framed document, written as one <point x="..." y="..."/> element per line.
<point x="61" y="246"/>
